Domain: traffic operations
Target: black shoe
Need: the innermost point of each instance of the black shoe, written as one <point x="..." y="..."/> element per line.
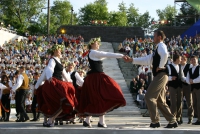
<point x="26" y="119"/>
<point x="99" y="125"/>
<point x="6" y="120"/>
<point x="196" y="123"/>
<point x="85" y="124"/>
<point x="61" y="122"/>
<point x="33" y="119"/>
<point x="156" y="125"/>
<point x="179" y="122"/>
<point x="174" y="125"/>
<point x="56" y="123"/>
<point x="189" y="121"/>
<point x="20" y="120"/>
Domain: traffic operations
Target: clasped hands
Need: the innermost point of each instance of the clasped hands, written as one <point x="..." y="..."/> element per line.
<point x="127" y="58"/>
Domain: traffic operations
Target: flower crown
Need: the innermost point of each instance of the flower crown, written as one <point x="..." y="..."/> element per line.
<point x="55" y="47"/>
<point x="94" y="39"/>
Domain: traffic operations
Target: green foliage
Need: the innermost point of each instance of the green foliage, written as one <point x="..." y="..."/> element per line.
<point x="93" y="11"/>
<point x="117" y="19"/>
<point x="186" y="10"/>
<point x="132" y="15"/>
<point x="20" y="13"/>
<point x="167" y="14"/>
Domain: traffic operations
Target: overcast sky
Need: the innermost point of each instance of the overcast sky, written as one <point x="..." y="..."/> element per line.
<point x="142" y="5"/>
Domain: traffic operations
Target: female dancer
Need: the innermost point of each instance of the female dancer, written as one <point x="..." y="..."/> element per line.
<point x="100" y="93"/>
<point x="56" y="98"/>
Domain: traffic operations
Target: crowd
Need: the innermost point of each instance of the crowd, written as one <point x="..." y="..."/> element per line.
<point x="32" y="54"/>
<point x="32" y="58"/>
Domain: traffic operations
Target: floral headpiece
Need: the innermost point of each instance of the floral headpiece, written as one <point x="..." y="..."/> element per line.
<point x="55" y="47"/>
<point x="95" y="39"/>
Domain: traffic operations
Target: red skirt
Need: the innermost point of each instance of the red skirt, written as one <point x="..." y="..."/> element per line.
<point x="99" y="95"/>
<point x="54" y="96"/>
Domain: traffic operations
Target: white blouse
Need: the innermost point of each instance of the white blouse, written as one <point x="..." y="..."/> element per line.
<point x="50" y="70"/>
<point x="100" y="55"/>
<point x="79" y="79"/>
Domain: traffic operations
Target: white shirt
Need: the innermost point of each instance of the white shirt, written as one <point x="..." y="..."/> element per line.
<point x="20" y="79"/>
<point x="28" y="102"/>
<point x="100" y="55"/>
<point x="197" y="80"/>
<point x="2" y="87"/>
<point x="176" y="66"/>
<point x="50" y="70"/>
<point x="162" y="51"/>
<point x="79" y="79"/>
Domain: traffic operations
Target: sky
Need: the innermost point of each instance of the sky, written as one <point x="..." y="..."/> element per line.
<point x="142" y="5"/>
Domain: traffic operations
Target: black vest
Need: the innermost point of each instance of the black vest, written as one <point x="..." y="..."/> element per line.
<point x="194" y="76"/>
<point x="95" y="66"/>
<point x="185" y="71"/>
<point x="58" y="70"/>
<point x="74" y="79"/>
<point x="175" y="83"/>
<point x="156" y="62"/>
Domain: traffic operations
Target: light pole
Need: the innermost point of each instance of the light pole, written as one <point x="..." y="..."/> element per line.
<point x="48" y="18"/>
<point x="72" y="15"/>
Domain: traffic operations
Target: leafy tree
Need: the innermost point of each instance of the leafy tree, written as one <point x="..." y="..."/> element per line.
<point x="62" y="11"/>
<point x="132" y="15"/>
<point x="93" y="11"/>
<point x="144" y="20"/>
<point x="186" y="14"/>
<point x="167" y="14"/>
<point x="117" y="19"/>
<point x="19" y="13"/>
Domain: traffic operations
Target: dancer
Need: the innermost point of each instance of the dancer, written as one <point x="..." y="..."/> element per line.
<point x="56" y="97"/>
<point x="175" y="79"/>
<point x="187" y="89"/>
<point x="36" y="117"/>
<point x="193" y="78"/>
<point x="155" y="96"/>
<point x="6" y="98"/>
<point x="22" y="86"/>
<point x="100" y="93"/>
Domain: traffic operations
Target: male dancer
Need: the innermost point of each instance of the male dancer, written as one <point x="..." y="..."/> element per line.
<point x="187" y="88"/>
<point x="193" y="78"/>
<point x="155" y="96"/>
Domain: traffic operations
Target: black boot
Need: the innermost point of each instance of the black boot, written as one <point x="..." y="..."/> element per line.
<point x="34" y="117"/>
<point x="21" y="118"/>
<point x="7" y="116"/>
<point x="38" y="117"/>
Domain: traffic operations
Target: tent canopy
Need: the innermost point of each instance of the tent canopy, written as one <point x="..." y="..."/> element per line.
<point x="195" y="4"/>
<point x="193" y="30"/>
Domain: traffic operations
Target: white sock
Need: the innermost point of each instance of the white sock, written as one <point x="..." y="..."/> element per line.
<point x="87" y="119"/>
<point x="102" y="120"/>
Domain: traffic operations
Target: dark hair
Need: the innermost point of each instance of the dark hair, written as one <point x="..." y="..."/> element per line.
<point x="193" y="56"/>
<point x="160" y="33"/>
<point x="175" y="57"/>
<point x="2" y="78"/>
<point x="16" y="72"/>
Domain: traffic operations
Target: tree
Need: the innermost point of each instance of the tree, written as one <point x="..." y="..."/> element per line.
<point x="186" y="14"/>
<point x="132" y="15"/>
<point x="167" y="14"/>
<point x="62" y="11"/>
<point x="144" y="20"/>
<point x="117" y="19"/>
<point x="93" y="11"/>
<point x="19" y="13"/>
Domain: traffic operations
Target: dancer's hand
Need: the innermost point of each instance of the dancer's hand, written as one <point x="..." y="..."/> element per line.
<point x="191" y="81"/>
<point x="127" y="58"/>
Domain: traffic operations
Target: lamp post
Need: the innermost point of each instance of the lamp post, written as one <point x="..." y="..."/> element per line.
<point x="72" y="15"/>
<point x="48" y="17"/>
